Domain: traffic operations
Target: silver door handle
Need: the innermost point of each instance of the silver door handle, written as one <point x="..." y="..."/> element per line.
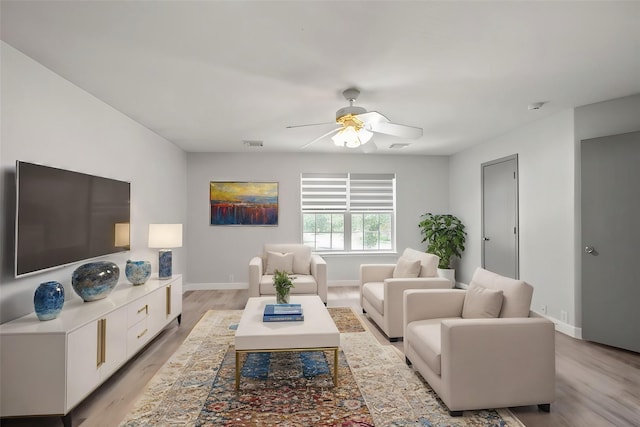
<point x="589" y="249"/>
<point x="486" y="239"/>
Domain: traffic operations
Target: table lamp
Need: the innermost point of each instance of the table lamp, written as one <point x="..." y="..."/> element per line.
<point x="165" y="237"/>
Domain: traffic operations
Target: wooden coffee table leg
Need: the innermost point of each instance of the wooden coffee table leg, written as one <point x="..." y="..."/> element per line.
<point x="237" y="370"/>
<point x="335" y="367"/>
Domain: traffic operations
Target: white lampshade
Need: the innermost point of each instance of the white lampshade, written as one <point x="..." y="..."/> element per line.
<point x="164" y="236"/>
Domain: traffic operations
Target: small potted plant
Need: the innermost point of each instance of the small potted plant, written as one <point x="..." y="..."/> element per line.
<point x="445" y="236"/>
<point x="283" y="284"/>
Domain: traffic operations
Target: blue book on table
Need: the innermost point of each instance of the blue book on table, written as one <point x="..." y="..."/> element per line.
<point x="283" y="318"/>
<point x="282" y="309"/>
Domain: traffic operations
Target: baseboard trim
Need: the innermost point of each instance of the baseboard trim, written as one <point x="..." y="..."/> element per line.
<point x="214" y="286"/>
<point x="343" y="283"/>
<point x="562" y="327"/>
<point x="244" y="285"/>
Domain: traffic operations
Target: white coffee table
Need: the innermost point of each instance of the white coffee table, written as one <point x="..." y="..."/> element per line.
<point x="316" y="332"/>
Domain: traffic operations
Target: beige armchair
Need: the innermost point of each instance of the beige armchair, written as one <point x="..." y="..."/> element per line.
<point x="481" y="348"/>
<point x="382" y="287"/>
<point x="309" y="270"/>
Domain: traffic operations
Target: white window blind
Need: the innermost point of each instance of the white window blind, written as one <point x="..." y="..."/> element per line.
<point x="372" y="192"/>
<point x="324" y="192"/>
<point x="341" y="192"/>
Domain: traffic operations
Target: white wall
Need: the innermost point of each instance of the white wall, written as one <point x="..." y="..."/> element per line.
<point x="47" y="120"/>
<point x="546" y="211"/>
<point x="549" y="165"/>
<point x="220" y="254"/>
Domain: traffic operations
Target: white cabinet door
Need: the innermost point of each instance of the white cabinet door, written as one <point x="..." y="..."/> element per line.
<point x="175" y="306"/>
<point x="157" y="310"/>
<point x="32" y="374"/>
<point x="94" y="351"/>
<point x="165" y="304"/>
<point x="115" y="343"/>
<point x="83" y="357"/>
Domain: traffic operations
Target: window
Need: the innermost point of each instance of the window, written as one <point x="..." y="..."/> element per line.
<point x="347" y="212"/>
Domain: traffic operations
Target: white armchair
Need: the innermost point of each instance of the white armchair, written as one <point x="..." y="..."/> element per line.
<point x="310" y="270"/>
<point x="481" y="348"/>
<point x="382" y="287"/>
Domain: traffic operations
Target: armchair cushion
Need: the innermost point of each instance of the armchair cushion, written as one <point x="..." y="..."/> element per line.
<point x="428" y="262"/>
<point x="302" y="284"/>
<point x="517" y="293"/>
<point x="280" y="262"/>
<point x="406" y="268"/>
<point x="374" y="294"/>
<point x="425" y="338"/>
<point x="481" y="302"/>
<point x="301" y="255"/>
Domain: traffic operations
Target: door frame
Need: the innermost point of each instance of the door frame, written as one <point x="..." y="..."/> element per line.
<point x="517" y="201"/>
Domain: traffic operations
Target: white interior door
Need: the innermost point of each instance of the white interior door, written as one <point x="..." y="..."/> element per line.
<point x="500" y="216"/>
<point x="610" y="235"/>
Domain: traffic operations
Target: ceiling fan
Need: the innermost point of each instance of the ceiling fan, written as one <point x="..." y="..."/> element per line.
<point x="357" y="126"/>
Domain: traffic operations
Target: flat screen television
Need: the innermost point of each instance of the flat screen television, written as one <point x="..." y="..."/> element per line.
<point x="63" y="217"/>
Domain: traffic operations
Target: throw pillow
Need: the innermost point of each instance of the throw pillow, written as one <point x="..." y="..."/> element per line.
<point x="481" y="302"/>
<point x="280" y="262"/>
<point x="406" y="268"/>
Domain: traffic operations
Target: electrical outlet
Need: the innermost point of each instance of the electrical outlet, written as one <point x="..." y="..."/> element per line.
<point x="543" y="309"/>
<point x="230" y="278"/>
<point x="563" y="316"/>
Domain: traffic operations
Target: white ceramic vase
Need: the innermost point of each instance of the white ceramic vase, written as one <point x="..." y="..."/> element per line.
<point x="448" y="273"/>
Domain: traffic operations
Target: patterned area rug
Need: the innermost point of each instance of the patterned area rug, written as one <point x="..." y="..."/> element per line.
<point x="375" y="387"/>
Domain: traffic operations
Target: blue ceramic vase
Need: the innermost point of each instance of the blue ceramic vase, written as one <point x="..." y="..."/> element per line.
<point x="95" y="280"/>
<point x="137" y="272"/>
<point x="48" y="300"/>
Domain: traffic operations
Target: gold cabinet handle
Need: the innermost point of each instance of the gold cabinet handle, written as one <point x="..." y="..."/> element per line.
<point x="102" y="342"/>
<point x="145" y="309"/>
<point x="99" y="348"/>
<point x="168" y="300"/>
<point x="142" y="333"/>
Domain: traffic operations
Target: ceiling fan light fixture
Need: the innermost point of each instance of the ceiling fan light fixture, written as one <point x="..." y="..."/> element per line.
<point x="351" y="137"/>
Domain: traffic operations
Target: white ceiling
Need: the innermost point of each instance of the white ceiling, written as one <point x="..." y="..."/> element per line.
<point x="209" y="74"/>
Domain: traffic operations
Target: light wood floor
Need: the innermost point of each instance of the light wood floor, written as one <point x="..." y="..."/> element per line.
<point x="596" y="385"/>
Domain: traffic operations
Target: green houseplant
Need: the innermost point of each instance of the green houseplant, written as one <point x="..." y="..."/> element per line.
<point x="445" y="236"/>
<point x="283" y="284"/>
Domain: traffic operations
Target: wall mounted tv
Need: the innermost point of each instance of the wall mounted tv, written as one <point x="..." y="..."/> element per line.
<point x="63" y="217"/>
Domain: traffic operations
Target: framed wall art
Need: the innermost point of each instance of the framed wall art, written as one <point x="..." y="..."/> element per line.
<point x="243" y="203"/>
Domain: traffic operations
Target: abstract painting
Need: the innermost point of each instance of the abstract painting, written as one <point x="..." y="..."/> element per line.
<point x="243" y="203"/>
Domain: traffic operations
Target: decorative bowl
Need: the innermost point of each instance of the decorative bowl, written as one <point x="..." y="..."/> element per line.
<point x="137" y="272"/>
<point x="95" y="280"/>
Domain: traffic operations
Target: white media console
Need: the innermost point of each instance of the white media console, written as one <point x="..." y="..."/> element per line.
<point x="48" y="367"/>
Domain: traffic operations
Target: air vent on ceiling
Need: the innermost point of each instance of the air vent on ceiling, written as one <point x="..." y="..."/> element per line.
<point x="535" y="106"/>
<point x="399" y="145"/>
<point x="253" y="144"/>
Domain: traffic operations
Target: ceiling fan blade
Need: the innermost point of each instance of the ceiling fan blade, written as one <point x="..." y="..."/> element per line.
<point x="369" y="147"/>
<point x="320" y="137"/>
<point x="394" y="129"/>
<point x="311" y="124"/>
<point x="373" y="117"/>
